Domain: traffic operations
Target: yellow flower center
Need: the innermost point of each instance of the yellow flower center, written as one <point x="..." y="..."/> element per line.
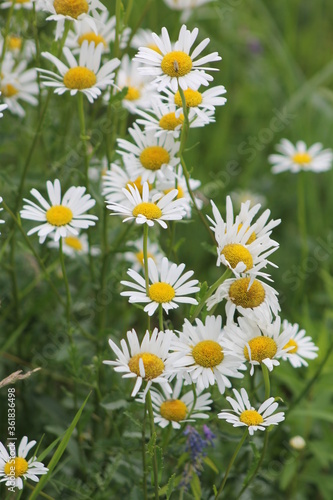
<point x="133" y="94"/>
<point x="140" y="256"/>
<point x="153" y="365"/>
<point x="149" y="210"/>
<point x="153" y="46"/>
<point x="79" y="78"/>
<point x="242" y="296"/>
<point x="292" y="343"/>
<point x="170" y="121"/>
<point x="207" y="353"/>
<point x="251" y="417"/>
<point x="59" y="215"/>
<point x="9" y="90"/>
<point x="179" y="189"/>
<point x="174" y="410"/>
<point x="21" y="1"/>
<point x="21" y="467"/>
<point x="261" y="348"/>
<point x="71" y="8"/>
<point x="153" y="157"/>
<point x="74" y="243"/>
<point x="92" y="37"/>
<point x="235" y="253"/>
<point x="161" y="292"/>
<point x="14" y="42"/>
<point x="176" y="64"/>
<point x="253" y="236"/>
<point x="302" y="158"/>
<point x="138" y="184"/>
<point x="192" y="98"/>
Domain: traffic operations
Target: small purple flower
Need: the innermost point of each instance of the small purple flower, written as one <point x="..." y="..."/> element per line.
<point x="195" y="446"/>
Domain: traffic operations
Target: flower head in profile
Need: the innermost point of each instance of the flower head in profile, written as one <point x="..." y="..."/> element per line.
<point x="75" y="245"/>
<point x="72" y="10"/>
<point x="177" y="64"/>
<point x="300" y="346"/>
<point x="136" y="258"/>
<point x="148" y="211"/>
<point x="18" y="84"/>
<point x="146" y="362"/>
<point x="167" y="287"/>
<point x="200" y="356"/>
<point x="172" y="408"/>
<point x="243" y="414"/>
<point x="300" y="157"/>
<point x="14" y="466"/>
<point x="63" y="216"/>
<point x="84" y="76"/>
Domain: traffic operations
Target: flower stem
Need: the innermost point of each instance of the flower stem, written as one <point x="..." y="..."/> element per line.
<point x="265" y="374"/>
<point x="145" y="256"/>
<point x="144" y="461"/>
<point x="153" y="435"/>
<point x="64" y="274"/>
<point x="6" y="33"/>
<point x="160" y="317"/>
<point x="233" y="458"/>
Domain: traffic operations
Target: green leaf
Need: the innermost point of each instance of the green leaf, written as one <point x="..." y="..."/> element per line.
<point x="170" y="486"/>
<point x="211" y="464"/>
<point x="59" y="452"/>
<point x="196" y="487"/>
<point x="314" y="413"/>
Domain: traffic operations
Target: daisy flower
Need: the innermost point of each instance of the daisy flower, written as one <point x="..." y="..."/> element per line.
<point x="76" y="11"/>
<point x="153" y="156"/>
<point x="149" y="362"/>
<point x="86" y="76"/>
<point x="300" y="346"/>
<point x="118" y="178"/>
<point x="140" y="92"/>
<point x="105" y="33"/>
<point x="186" y="6"/>
<point x="19" y="46"/>
<point x="64" y="216"/>
<point x="20" y="4"/>
<point x="199" y="354"/>
<point x="244" y="297"/>
<point x="183" y="193"/>
<point x="75" y="245"/>
<point x="243" y="245"/>
<point x="243" y="414"/>
<point x="14" y="466"/>
<point x="159" y="209"/>
<point x="167" y="287"/>
<point x="2" y="108"/>
<point x="257" y="343"/>
<point x="174" y="409"/>
<point x="144" y="38"/>
<point x="17" y="83"/>
<point x="162" y="119"/>
<point x="244" y="196"/>
<point x="135" y="257"/>
<point x="178" y="64"/>
<point x="201" y="104"/>
<point x="300" y="157"/>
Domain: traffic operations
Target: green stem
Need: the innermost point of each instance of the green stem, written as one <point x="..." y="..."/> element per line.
<point x="145" y="256"/>
<point x="210" y="291"/>
<point x="6" y="33"/>
<point x="118" y="28"/>
<point x="265" y="374"/>
<point x="301" y="211"/>
<point x="64" y="274"/>
<point x="233" y="458"/>
<point x="153" y="436"/>
<point x="144" y="461"/>
<point x="160" y="317"/>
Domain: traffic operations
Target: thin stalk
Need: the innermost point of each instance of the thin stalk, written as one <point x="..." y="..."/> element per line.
<point x="265" y="374"/>
<point x="118" y="28"/>
<point x="160" y="317"/>
<point x="233" y="458"/>
<point x="145" y="256"/>
<point x="301" y="212"/>
<point x="209" y="292"/>
<point x="144" y="460"/>
<point x="152" y="433"/>
<point x="6" y="33"/>
<point x="64" y="275"/>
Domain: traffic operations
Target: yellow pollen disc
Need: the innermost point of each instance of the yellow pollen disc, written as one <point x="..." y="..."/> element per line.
<point x="179" y="189"/>
<point x="71" y="8"/>
<point x="22" y="1"/>
<point x="79" y="78"/>
<point x="14" y="42"/>
<point x="170" y="121"/>
<point x="240" y="295"/>
<point x="208" y="353"/>
<point x="153" y="365"/>
<point x="261" y="348"/>
<point x="21" y="467"/>
<point x="292" y="343"/>
<point x="152" y="46"/>
<point x="161" y="292"/>
<point x="149" y="210"/>
<point x="74" y="243"/>
<point x="235" y="253"/>
<point x="9" y="90"/>
<point x="174" y="410"/>
<point x="153" y="157"/>
<point x="140" y="256"/>
<point x="251" y="417"/>
<point x="133" y="94"/>
<point x="92" y="37"/>
<point x="302" y="158"/>
<point x="192" y="98"/>
<point x="59" y="215"/>
<point x="252" y="238"/>
<point x="138" y="184"/>
<point x="176" y="64"/>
